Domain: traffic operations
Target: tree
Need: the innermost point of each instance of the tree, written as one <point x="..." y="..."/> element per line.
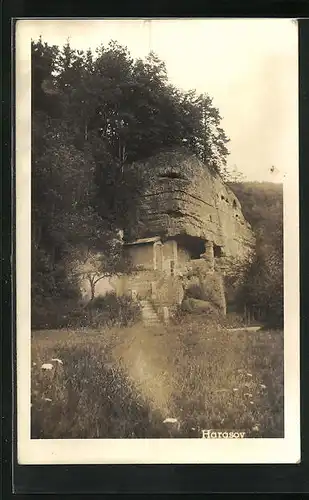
<point x="44" y="93"/>
<point x="94" y="115"/>
<point x="133" y="109"/>
<point x="262" y="286"/>
<point x="87" y="264"/>
<point x="212" y="147"/>
<point x="233" y="175"/>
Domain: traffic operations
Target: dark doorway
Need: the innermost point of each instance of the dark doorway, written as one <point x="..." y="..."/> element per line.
<point x="195" y="246"/>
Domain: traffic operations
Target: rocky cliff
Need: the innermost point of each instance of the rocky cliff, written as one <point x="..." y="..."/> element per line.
<point x="183" y="197"/>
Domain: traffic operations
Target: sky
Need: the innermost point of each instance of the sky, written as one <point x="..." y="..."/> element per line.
<point x="248" y="66"/>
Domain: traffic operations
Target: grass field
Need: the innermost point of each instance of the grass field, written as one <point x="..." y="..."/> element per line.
<point x="122" y="383"/>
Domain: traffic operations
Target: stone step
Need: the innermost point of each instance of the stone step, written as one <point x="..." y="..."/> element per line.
<point x="149" y="315"/>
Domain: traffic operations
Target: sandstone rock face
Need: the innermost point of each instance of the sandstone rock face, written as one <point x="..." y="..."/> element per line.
<point x="191" y="230"/>
<point x="198" y="306"/>
<point x="183" y="198"/>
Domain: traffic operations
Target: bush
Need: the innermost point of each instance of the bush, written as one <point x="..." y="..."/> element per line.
<point x="106" y="310"/>
<point x="50" y="312"/>
<point x="113" y="310"/>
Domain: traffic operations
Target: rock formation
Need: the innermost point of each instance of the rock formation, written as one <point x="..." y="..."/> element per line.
<point x="184" y="199"/>
<point x="191" y="229"/>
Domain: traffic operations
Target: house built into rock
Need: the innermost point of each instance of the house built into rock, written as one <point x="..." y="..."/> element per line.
<point x="190" y="230"/>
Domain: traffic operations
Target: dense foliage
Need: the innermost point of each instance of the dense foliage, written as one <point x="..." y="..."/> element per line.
<point x="262" y="288"/>
<point x="93" y="114"/>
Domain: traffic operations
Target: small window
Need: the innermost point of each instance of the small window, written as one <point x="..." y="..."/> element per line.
<point x="217" y="251"/>
<point x="234" y="204"/>
<point x="210" y="218"/>
<point x="172" y="267"/>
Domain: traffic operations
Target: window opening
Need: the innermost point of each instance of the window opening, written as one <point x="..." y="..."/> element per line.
<point x="217" y="251"/>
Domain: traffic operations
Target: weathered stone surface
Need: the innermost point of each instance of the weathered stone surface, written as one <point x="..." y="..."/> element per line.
<point x="183" y="197"/>
<point x="191" y="232"/>
<point x="209" y="288"/>
<point x="197" y="306"/>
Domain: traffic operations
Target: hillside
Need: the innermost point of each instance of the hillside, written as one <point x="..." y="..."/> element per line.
<point x="261" y="293"/>
<point x="262" y="205"/>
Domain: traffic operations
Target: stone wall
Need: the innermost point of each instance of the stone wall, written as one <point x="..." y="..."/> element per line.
<point x="141" y="255"/>
<point x="139" y="282"/>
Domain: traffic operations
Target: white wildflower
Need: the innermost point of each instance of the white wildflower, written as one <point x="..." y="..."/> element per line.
<point x="263" y="386"/>
<point x="235" y="389"/>
<point x="173" y="422"/>
<point x="251" y="402"/>
<point x="170" y="421"/>
<point x="58" y="361"/>
<point x="256" y="428"/>
<point x="193" y="429"/>
<point x="47" y="399"/>
<point x="248" y="394"/>
<point x="249" y="374"/>
<point x="33" y="364"/>
<point x="47" y="366"/>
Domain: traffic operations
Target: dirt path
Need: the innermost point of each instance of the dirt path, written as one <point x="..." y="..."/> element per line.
<point x="142" y="353"/>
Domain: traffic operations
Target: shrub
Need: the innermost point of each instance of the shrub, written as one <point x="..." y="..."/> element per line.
<point x="50" y="312"/>
<point x="106" y="310"/>
<point x="111" y="310"/>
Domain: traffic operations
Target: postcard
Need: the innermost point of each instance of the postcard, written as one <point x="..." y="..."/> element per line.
<point x="157" y="248"/>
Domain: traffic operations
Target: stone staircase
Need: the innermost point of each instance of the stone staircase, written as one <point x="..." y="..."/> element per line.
<point x="149" y="315"/>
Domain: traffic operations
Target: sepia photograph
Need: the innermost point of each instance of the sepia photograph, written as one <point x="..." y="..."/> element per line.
<point x="157" y="240"/>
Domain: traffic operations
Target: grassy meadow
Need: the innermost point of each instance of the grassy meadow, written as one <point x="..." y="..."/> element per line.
<point x="123" y="382"/>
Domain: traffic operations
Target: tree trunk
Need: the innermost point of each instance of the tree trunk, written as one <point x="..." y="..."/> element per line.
<point x="92" y="290"/>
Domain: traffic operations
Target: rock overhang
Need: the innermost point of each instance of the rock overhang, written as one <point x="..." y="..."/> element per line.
<point x="182" y="196"/>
